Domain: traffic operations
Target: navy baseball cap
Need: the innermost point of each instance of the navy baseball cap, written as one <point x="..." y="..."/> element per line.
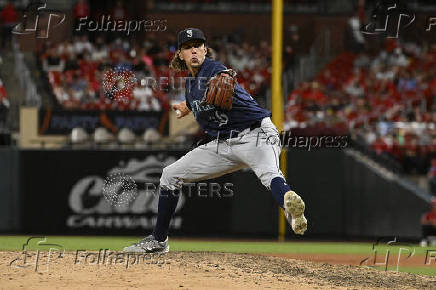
<point x="189" y="34"/>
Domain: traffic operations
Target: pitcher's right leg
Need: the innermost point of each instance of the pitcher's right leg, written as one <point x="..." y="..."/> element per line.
<point x="199" y="164"/>
<point x="202" y="163"/>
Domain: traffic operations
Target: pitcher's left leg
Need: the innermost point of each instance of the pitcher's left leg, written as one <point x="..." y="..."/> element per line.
<point x="260" y="150"/>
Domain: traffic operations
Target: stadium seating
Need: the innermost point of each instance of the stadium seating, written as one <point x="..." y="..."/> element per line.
<point x="126" y="136"/>
<point x="387" y="100"/>
<point x="102" y="136"/>
<point x="79" y="136"/>
<point x="151" y="136"/>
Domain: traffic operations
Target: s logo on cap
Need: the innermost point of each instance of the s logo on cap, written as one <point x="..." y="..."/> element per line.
<point x="189" y="32"/>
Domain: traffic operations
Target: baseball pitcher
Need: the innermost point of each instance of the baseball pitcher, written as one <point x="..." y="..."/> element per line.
<point x="241" y="133"/>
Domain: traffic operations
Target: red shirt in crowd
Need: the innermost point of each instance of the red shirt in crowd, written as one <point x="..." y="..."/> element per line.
<point x="9" y="15"/>
<point x="81" y="9"/>
<point x="2" y="93"/>
<point x="430" y="216"/>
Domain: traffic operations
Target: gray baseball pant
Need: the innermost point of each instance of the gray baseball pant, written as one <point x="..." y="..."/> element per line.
<point x="258" y="149"/>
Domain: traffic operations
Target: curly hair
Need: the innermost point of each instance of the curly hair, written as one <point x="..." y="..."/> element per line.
<point x="180" y="65"/>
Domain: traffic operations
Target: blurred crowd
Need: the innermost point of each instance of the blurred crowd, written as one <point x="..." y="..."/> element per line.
<point x="386" y="100"/>
<point x="74" y="71"/>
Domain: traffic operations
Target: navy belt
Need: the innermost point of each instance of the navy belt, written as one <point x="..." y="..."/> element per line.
<point x="235" y="134"/>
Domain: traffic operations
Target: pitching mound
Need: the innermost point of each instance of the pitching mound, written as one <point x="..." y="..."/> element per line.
<point x="199" y="270"/>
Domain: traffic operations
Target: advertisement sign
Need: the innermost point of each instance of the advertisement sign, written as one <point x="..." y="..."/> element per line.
<point x="62" y="193"/>
<point x="53" y="122"/>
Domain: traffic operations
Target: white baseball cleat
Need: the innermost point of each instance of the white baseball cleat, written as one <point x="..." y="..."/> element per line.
<point x="423" y="243"/>
<point x="148" y="245"/>
<point x="294" y="212"/>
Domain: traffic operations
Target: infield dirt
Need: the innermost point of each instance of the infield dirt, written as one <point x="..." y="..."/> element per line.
<point x="199" y="270"/>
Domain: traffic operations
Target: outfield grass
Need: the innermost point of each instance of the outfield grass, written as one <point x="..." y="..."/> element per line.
<point x="430" y="270"/>
<point x="285" y="247"/>
<point x="72" y="243"/>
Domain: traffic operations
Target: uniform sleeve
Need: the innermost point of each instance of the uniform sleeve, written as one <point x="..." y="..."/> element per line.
<point x="188" y="104"/>
<point x="218" y="67"/>
<point x="186" y="92"/>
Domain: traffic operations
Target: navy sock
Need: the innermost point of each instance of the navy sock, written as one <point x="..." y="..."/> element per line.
<point x="279" y="188"/>
<point x="167" y="205"/>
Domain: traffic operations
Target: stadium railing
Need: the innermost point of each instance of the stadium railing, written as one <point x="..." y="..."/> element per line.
<point x="23" y="74"/>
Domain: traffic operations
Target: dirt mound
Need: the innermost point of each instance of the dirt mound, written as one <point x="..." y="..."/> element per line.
<point x="184" y="270"/>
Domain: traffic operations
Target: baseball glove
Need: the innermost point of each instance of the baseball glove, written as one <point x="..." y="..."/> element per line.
<point x="219" y="92"/>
